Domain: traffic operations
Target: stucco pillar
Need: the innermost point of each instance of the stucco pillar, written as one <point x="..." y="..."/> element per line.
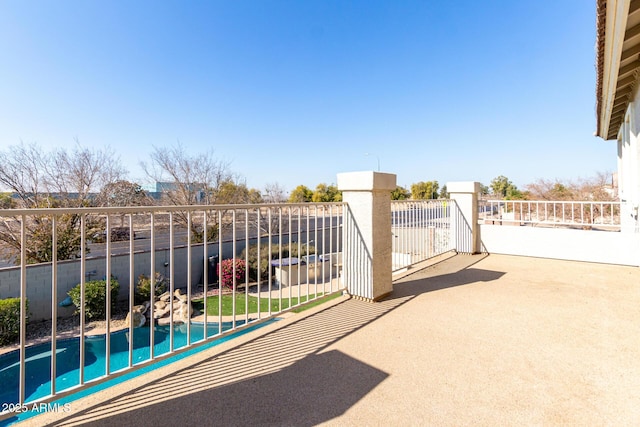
<point x="367" y="233"/>
<point x="465" y="222"/>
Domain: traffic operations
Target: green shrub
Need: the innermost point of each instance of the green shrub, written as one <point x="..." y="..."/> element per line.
<point x="143" y="289"/>
<point x="10" y="320"/>
<point x="197" y="234"/>
<point x="264" y="263"/>
<point x="95" y="298"/>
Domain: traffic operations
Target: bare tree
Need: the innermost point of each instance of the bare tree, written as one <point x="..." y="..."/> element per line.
<point x="191" y="179"/>
<point x="59" y="178"/>
<point x="123" y="193"/>
<point x="200" y="179"/>
<point x="80" y="172"/>
<point x="21" y="171"/>
<point x="598" y="188"/>
<point x="543" y="189"/>
<point x="274" y="193"/>
<point x="270" y="219"/>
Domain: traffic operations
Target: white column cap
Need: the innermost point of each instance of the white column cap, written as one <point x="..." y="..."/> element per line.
<point x="463" y="187"/>
<point x="366" y="181"/>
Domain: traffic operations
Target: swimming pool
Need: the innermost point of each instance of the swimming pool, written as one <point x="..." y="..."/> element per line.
<point x="38" y="358"/>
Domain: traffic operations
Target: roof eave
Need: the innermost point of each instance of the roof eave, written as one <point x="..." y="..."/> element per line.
<point x="611" y="22"/>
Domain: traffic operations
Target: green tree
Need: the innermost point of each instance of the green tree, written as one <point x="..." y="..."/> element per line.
<point x="300" y="194"/>
<point x="400" y="193"/>
<point x="424" y="190"/>
<point x="326" y="193"/>
<point x="5" y="201"/>
<point x="561" y="192"/>
<point x="444" y="193"/>
<point x="255" y="197"/>
<point x="500" y="185"/>
<point x="514" y="194"/>
<point x="231" y="192"/>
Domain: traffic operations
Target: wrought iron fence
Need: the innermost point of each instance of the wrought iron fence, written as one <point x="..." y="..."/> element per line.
<point x="578" y="214"/>
<point x="421" y="229"/>
<point x="206" y="271"/>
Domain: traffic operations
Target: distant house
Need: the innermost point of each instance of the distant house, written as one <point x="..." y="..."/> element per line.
<point x="617" y="95"/>
<point x="163" y="187"/>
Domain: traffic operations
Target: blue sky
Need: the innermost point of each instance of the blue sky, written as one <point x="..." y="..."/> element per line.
<point x="295" y="92"/>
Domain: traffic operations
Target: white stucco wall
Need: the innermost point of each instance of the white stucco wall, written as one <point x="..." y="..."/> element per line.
<point x="629" y="165"/>
<point x="39" y="277"/>
<point x="567" y="244"/>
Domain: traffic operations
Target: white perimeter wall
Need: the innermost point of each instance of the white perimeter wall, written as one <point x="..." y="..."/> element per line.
<point x="39" y="277"/>
<point x="575" y="245"/>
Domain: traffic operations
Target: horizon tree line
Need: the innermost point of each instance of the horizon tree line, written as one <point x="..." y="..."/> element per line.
<point x="69" y="178"/>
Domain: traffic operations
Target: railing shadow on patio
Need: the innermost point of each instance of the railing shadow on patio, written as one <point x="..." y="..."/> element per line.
<point x="279" y="378"/>
<point x="424" y="280"/>
<point x="283" y="377"/>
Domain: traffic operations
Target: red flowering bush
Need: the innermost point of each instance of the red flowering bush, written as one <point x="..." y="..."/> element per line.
<point x="225" y="270"/>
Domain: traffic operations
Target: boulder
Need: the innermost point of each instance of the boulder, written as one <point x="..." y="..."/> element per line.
<point x="183" y="313"/>
<point x="162" y="308"/>
<point x="158" y="314"/>
<point x="142" y="309"/>
<point x="138" y="318"/>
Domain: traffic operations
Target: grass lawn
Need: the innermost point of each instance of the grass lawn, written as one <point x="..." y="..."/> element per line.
<point x="227" y="303"/>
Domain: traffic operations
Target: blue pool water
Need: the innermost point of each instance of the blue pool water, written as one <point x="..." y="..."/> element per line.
<point x="38" y="358"/>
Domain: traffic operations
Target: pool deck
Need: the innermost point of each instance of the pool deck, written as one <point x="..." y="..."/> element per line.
<point x="472" y="340"/>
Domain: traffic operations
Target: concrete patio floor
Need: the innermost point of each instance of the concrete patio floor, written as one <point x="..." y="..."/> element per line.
<point x="472" y="340"/>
